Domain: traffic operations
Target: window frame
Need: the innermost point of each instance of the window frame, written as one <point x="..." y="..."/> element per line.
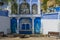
<point x="35" y="9"/>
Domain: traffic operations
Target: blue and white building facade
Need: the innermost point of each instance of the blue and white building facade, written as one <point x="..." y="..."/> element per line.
<point x="28" y="19"/>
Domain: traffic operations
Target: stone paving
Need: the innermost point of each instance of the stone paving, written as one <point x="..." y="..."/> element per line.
<point x="30" y="38"/>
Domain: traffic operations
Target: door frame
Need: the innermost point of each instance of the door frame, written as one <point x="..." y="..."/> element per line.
<point x="35" y="20"/>
<point x="11" y="25"/>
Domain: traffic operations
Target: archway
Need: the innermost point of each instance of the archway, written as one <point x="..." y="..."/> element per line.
<point x="13" y="25"/>
<point x="25" y="26"/>
<point x="37" y="25"/>
<point x="34" y="9"/>
<point x="24" y="8"/>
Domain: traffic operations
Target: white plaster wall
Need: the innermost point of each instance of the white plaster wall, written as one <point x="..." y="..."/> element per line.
<point x="4" y="24"/>
<point x="49" y="25"/>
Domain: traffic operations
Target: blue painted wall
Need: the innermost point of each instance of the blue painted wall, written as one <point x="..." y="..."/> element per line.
<point x="3" y="12"/>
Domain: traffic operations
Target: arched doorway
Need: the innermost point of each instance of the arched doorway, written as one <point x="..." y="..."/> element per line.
<point x="25" y="26"/>
<point x="13" y="25"/>
<point x="37" y="25"/>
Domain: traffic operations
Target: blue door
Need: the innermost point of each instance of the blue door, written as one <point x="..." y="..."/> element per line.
<point x="13" y="25"/>
<point x="25" y="26"/>
<point x="37" y="25"/>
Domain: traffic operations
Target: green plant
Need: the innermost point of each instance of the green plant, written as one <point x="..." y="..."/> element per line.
<point x="57" y="2"/>
<point x="6" y="1"/>
<point x="14" y="7"/>
<point x="44" y="5"/>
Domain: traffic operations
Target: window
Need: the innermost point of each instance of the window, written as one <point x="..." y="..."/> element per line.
<point x="34" y="9"/>
<point x="1" y="3"/>
<point x="25" y="27"/>
<point x="24" y="8"/>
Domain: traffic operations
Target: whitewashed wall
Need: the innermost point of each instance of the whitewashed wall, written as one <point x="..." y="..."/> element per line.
<point x="49" y="25"/>
<point x="4" y="24"/>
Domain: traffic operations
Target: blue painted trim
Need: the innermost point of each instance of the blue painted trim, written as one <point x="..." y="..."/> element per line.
<point x="25" y="32"/>
<point x="25" y="18"/>
<point x="50" y="16"/>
